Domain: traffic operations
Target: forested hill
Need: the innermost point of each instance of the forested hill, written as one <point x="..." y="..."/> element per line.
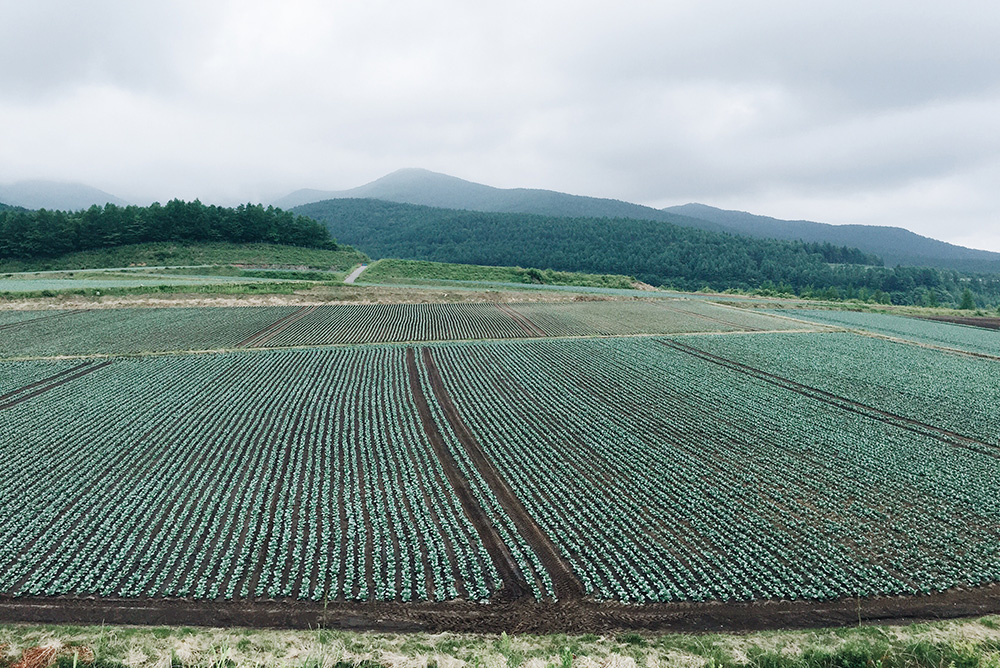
<point x="419" y="186"/>
<point x="33" y="234"/>
<point x="654" y="252"/>
<point x="894" y="244"/>
<point x="426" y="188"/>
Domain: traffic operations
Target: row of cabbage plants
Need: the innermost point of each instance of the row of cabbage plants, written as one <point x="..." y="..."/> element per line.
<point x="954" y="392"/>
<point x="961" y="337"/>
<point x="126" y="331"/>
<point x="380" y="323"/>
<point x="653" y="316"/>
<point x="277" y="474"/>
<point x="664" y="477"/>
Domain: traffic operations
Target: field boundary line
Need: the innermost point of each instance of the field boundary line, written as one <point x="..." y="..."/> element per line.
<point x="90" y="368"/>
<point x="43" y="381"/>
<point x="910" y="424"/>
<point x="61" y="314"/>
<point x="564" y="582"/>
<point x="515" y="585"/>
<point x="515" y="617"/>
<point x="529" y="327"/>
<point x="279" y="325"/>
<point x="334" y="346"/>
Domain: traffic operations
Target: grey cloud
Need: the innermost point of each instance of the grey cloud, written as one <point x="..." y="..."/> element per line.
<point x="791" y="105"/>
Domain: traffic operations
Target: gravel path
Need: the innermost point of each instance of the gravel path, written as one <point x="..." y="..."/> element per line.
<point x="354" y="274"/>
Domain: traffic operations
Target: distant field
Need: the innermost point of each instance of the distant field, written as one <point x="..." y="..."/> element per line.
<point x="406" y="271"/>
<point x="954" y="392"/>
<point x="962" y="337"/>
<point x="139" y="330"/>
<point x="705" y="465"/>
<point x="178" y="254"/>
<point x="94" y="281"/>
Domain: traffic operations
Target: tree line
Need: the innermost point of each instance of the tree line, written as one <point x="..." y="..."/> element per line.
<point x="36" y="234"/>
<point x="654" y="252"/>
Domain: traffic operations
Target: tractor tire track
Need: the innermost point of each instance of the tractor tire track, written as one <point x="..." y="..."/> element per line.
<point x="910" y="424"/>
<point x="529" y="327"/>
<point x="565" y="583"/>
<point x="263" y="336"/>
<point x="43" y="381"/>
<point x="89" y="368"/>
<point x="32" y="321"/>
<point x="514" y="585"/>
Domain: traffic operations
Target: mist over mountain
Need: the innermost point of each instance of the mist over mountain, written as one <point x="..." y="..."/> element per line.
<point x="427" y="188"/>
<point x="55" y="195"/>
<point x="895" y="245"/>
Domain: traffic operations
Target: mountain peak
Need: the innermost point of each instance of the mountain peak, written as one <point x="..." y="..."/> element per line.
<point x="64" y="196"/>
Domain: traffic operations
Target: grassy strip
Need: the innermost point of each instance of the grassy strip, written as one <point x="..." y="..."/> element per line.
<point x="178" y="254"/>
<point x="209" y="289"/>
<point x="389" y="270"/>
<point x="955" y="644"/>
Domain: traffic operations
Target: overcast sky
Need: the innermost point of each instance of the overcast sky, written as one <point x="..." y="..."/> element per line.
<point x="884" y="112"/>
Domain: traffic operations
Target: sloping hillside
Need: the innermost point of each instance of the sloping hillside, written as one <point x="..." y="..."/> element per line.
<point x="53" y="195"/>
<point x="654" y="252"/>
<point x="426" y="188"/>
<point x="894" y="244"/>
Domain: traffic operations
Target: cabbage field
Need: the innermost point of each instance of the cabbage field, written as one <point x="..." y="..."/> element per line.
<point x="649" y="453"/>
<point x="132" y="331"/>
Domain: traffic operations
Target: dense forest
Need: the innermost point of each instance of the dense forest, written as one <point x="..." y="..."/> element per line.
<point x="653" y="251"/>
<point x="34" y="234"/>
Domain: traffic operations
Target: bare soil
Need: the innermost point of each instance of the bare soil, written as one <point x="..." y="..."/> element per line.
<point x="522" y="616"/>
<point x="567" y="586"/>
<point x="514" y="585"/>
<point x="987" y="323"/>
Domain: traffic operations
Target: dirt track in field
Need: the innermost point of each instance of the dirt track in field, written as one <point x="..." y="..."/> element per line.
<point x="514" y="584"/>
<point x="972" y="321"/>
<point x="524" y="616"/>
<point x="51" y="383"/>
<point x="922" y="428"/>
<point x="530" y="328"/>
<point x="567" y="586"/>
<point x="281" y="324"/>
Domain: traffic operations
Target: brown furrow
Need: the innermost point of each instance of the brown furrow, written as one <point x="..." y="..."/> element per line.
<point x="44" y="380"/>
<point x="910" y="424"/>
<point x="31" y="395"/>
<point x="567" y="586"/>
<point x="514" y="584"/>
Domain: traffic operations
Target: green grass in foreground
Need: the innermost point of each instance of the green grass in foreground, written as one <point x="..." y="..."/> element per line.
<point x="389" y="271"/>
<point x="168" y="254"/>
<point x="955" y="644"/>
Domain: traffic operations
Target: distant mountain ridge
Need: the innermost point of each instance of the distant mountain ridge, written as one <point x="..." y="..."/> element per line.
<point x="895" y="245"/>
<point x="419" y="186"/>
<point x="426" y="188"/>
<point x="54" y="195"/>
